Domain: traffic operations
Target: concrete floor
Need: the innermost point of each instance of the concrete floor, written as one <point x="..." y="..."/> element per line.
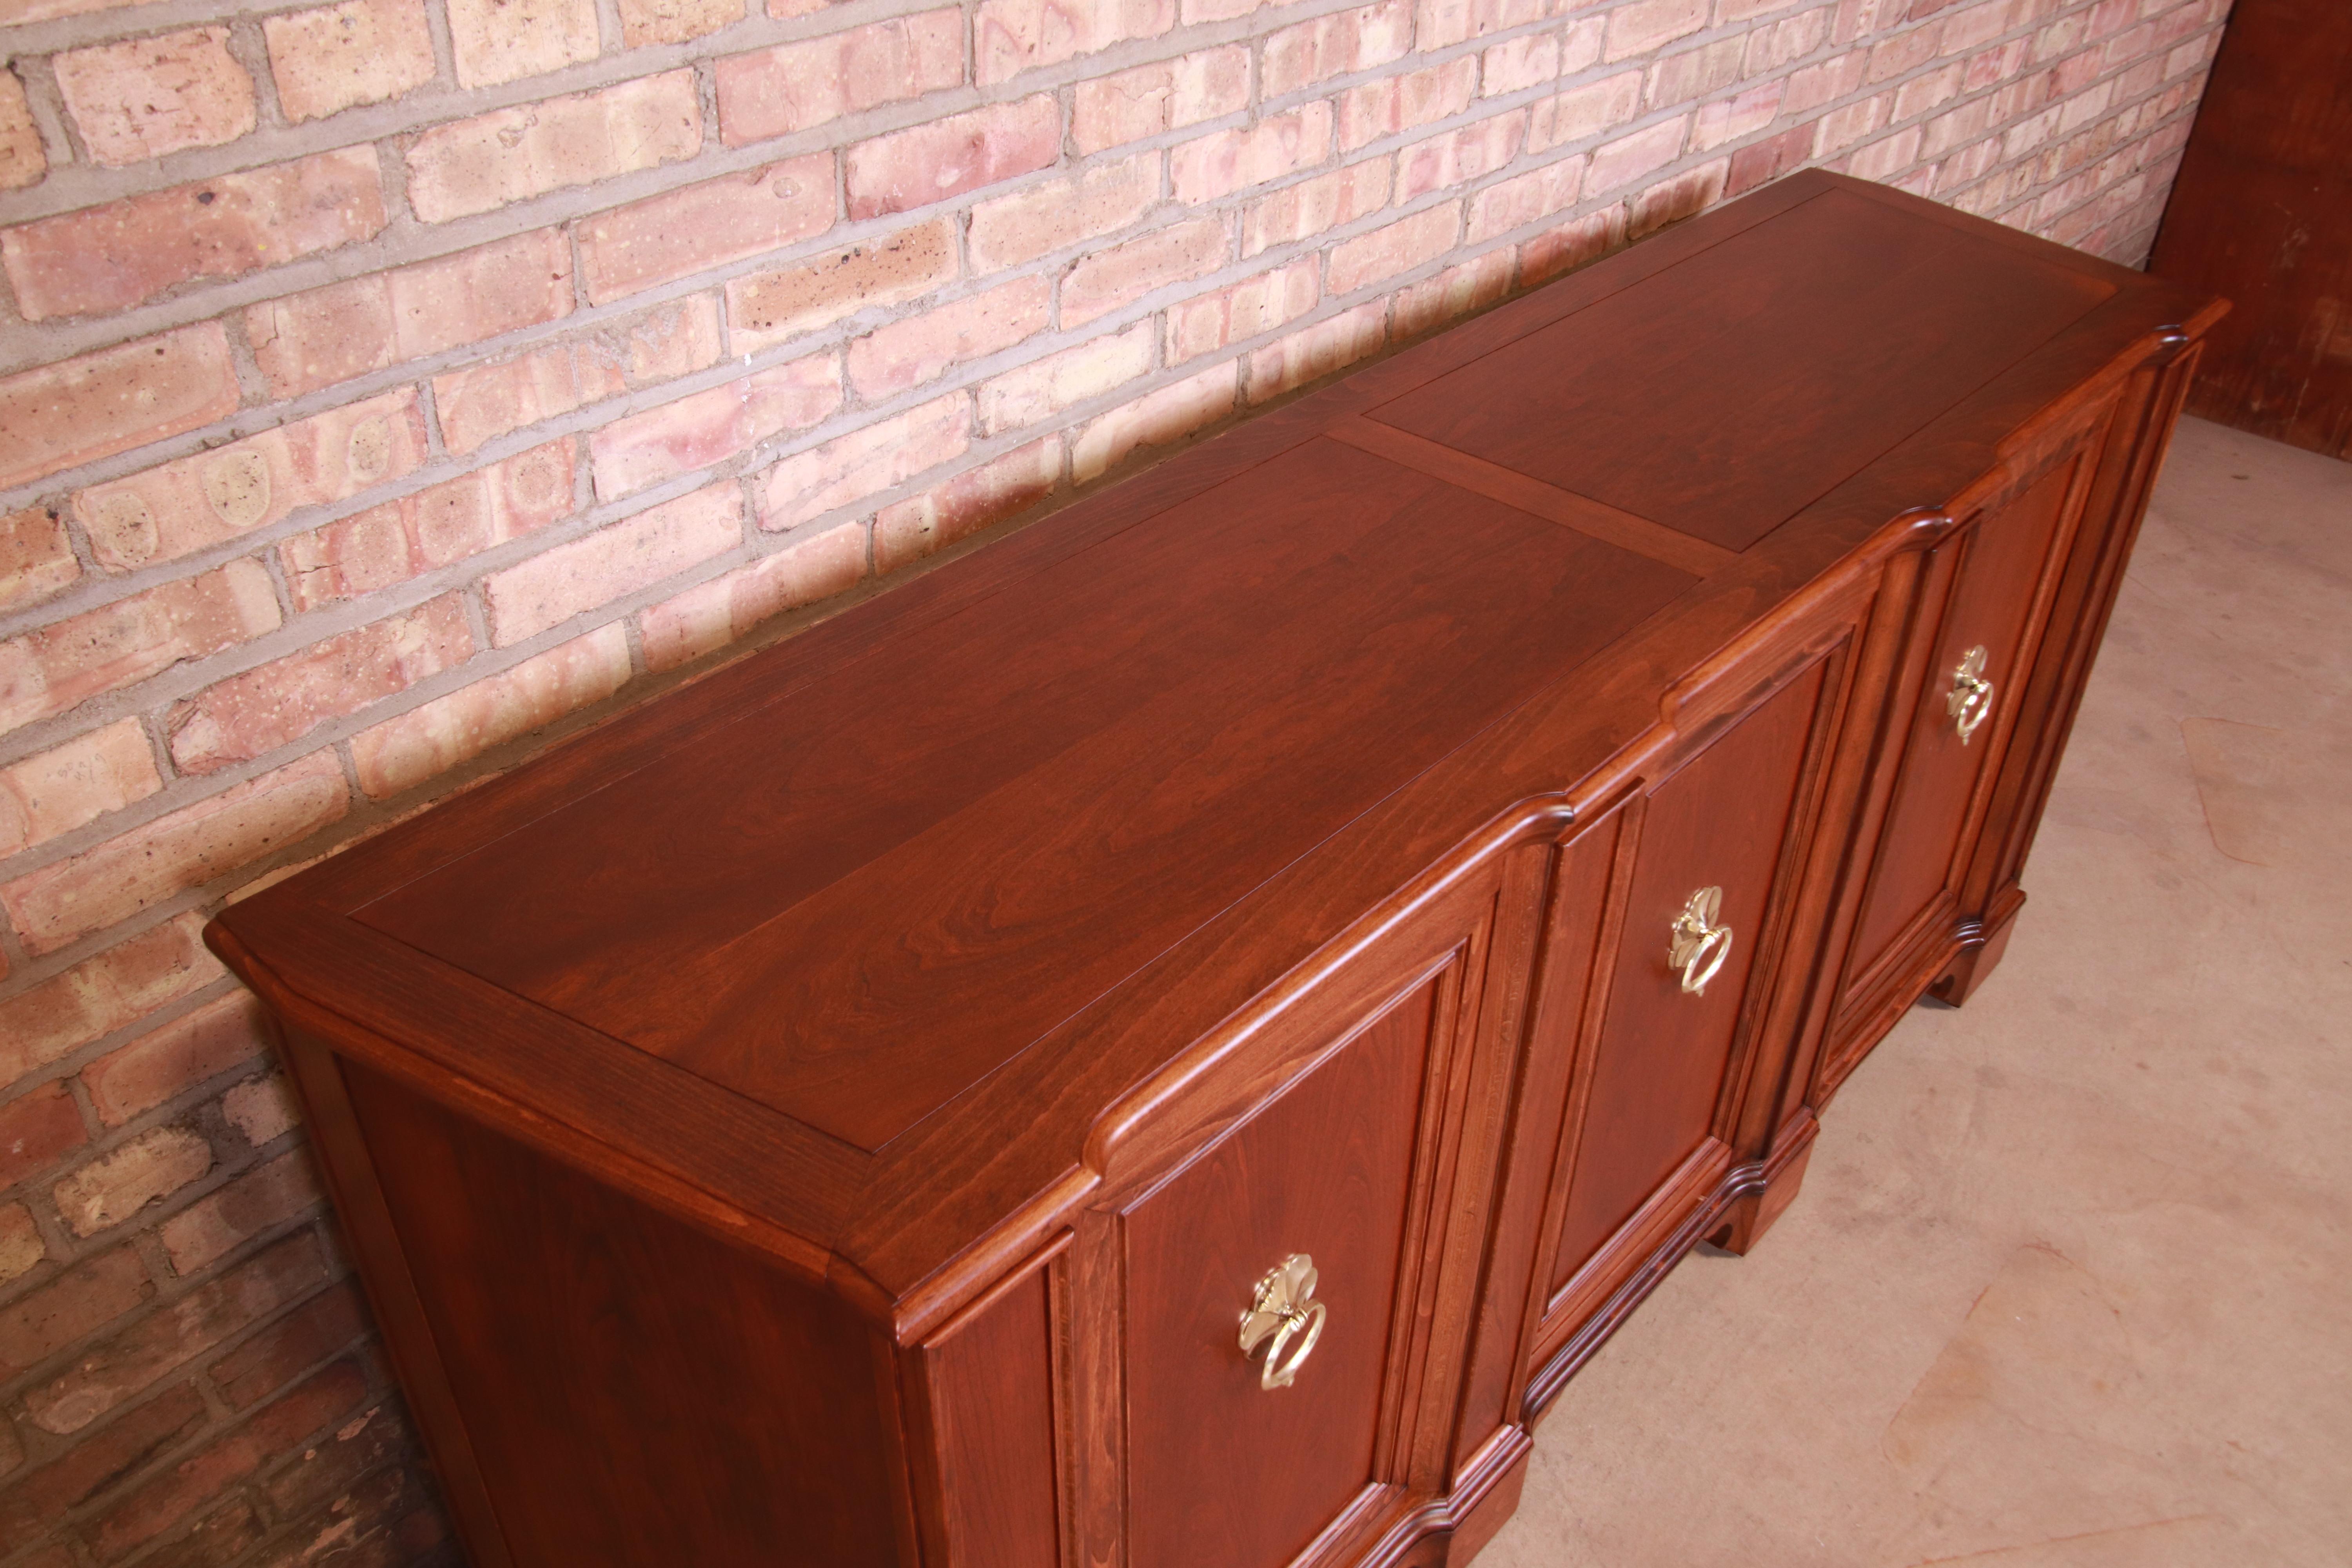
<point x="2070" y="1282"/>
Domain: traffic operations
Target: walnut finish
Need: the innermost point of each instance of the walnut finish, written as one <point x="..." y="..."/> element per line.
<point x="837" y="1113"/>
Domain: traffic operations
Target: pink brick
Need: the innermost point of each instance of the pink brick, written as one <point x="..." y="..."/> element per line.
<point x="481" y="402"/>
<point x="390" y="545"/>
<point x="1045" y="388"/>
<point x="911" y="529"/>
<point x="705" y="226"/>
<point x="204" y="501"/>
<point x="1645" y="25"/>
<point x="1312" y="206"/>
<point x="145" y="98"/>
<point x="1317" y="351"/>
<point x="1670" y="201"/>
<point x="504" y="40"/>
<point x="183" y="850"/>
<point x="1730" y="118"/>
<point x="1010" y="36"/>
<point x="675" y="21"/>
<point x="1518" y="64"/>
<point x="711" y="426"/>
<point x="1793" y="38"/>
<point x="80" y="410"/>
<point x="616" y="561"/>
<point x="309" y="340"/>
<point x="439" y="735"/>
<point x="1155" y="419"/>
<point x="278" y="703"/>
<point x="768" y="308"/>
<point x="1698" y="73"/>
<point x="1815" y="86"/>
<point x="916" y="348"/>
<point x="513" y="154"/>
<point x="945" y="158"/>
<point x="1337" y="45"/>
<point x="712" y="614"/>
<point x="1458" y="157"/>
<point x="1445" y="22"/>
<point x="1928" y="91"/>
<point x="1395" y="103"/>
<point x="122" y="1181"/>
<point x="114" y="256"/>
<point x="1168" y="95"/>
<point x="1018" y="228"/>
<point x="1526" y="198"/>
<point x="793" y="87"/>
<point x="1452" y="293"/>
<point x="1399" y="248"/>
<point x="37" y="1129"/>
<point x="1584" y="111"/>
<point x="1769" y="159"/>
<point x="1107" y="280"/>
<point x="36" y="559"/>
<point x="22" y="160"/>
<point x="1886" y="156"/>
<point x="100" y="994"/>
<point x="257" y="1201"/>
<point x="53" y="669"/>
<point x="338" y="56"/>
<point x="1242" y="311"/>
<point x="1278" y="146"/>
<point x="60" y="789"/>
<point x="163" y="1064"/>
<point x="864" y="462"/>
<point x="1628" y="158"/>
<point x="1842" y="128"/>
<point x="1197" y="11"/>
<point x="1902" y="54"/>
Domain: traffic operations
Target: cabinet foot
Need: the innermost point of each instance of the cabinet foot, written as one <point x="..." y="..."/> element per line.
<point x="1961" y="977"/>
<point x="1752" y="1214"/>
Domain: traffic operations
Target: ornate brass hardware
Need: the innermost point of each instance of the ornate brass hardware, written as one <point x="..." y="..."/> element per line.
<point x="1278" y="1312"/>
<point x="1969" y="701"/>
<point x="1700" y="946"/>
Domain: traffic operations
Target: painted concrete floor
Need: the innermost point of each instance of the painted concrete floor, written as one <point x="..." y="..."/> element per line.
<point x="2070" y="1282"/>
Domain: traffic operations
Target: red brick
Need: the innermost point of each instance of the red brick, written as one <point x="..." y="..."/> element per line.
<point x="224" y="1220"/>
<point x="1584" y="111"/>
<point x="1101" y="283"/>
<point x="1167" y="95"/>
<point x="215" y="1541"/>
<point x="440" y="734"/>
<point x="1762" y="162"/>
<point x="1242" y="311"/>
<point x="910" y="529"/>
<point x="1018" y="228"/>
<point x="768" y="308"/>
<point x="278" y="703"/>
<point x="1337" y="45"/>
<point x="916" y="348"/>
<point x="1395" y="103"/>
<point x="51" y="670"/>
<point x="387" y="545"/>
<point x="1010" y="36"/>
<point x="21" y="1247"/>
<point x="1317" y="351"/>
<point x="36" y="559"/>
<point x="100" y="994"/>
<point x="330" y="334"/>
<point x="1312" y="206"/>
<point x="1458" y="157"/>
<point x="945" y="158"/>
<point x="174" y="853"/>
<point x="145" y="97"/>
<point x="126" y="1179"/>
<point x="169" y="1061"/>
<point x="711" y="426"/>
<point x="1400" y="248"/>
<point x="319" y="1328"/>
<point x="59" y="790"/>
<point x="35" y="1129"/>
<point x="80" y="410"/>
<point x="1523" y="199"/>
<point x="199" y="1479"/>
<point x="340" y="57"/>
<point x="616" y="560"/>
<point x="1571" y="245"/>
<point x="809" y="484"/>
<point x="1044" y="387"/>
<point x="706" y="226"/>
<point x="1630" y="158"/>
<point x="104" y="1459"/>
<point x="675" y="21"/>
<point x="261" y="1108"/>
<point x="774" y="92"/>
<point x="216" y="496"/>
<point x="1278" y="146"/>
<point x="74" y="1304"/>
<point x="114" y="256"/>
<point x="22" y="160"/>
<point x="712" y="614"/>
<point x="1445" y="22"/>
<point x="668" y="340"/>
<point x="1169" y="414"/>
<point x="503" y="40"/>
<point x="513" y="154"/>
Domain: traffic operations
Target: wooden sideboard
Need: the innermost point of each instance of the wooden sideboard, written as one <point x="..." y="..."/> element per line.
<point x="1459" y="827"/>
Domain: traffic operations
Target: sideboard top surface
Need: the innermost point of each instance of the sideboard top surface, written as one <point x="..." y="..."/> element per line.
<point x="860" y="934"/>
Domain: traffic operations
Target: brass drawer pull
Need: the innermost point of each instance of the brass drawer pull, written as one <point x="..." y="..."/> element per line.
<point x="1969" y="702"/>
<point x="1700" y="946"/>
<point x="1279" y="1311"/>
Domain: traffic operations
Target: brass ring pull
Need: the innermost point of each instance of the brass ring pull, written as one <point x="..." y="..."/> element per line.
<point x="1969" y="702"/>
<point x="1280" y="1312"/>
<point x="1700" y="946"/>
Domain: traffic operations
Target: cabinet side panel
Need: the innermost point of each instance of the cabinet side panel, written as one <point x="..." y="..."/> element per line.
<point x="990" y="1383"/>
<point x="637" y="1391"/>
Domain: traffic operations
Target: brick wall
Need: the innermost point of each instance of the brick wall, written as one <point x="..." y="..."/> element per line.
<point x="388" y="385"/>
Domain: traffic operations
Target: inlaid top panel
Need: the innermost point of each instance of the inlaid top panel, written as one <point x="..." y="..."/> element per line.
<point x="1724" y="395"/>
<point x="854" y="902"/>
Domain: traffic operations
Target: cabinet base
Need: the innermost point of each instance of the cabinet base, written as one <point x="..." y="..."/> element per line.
<point x="1980" y="951"/>
<point x="1752" y="1213"/>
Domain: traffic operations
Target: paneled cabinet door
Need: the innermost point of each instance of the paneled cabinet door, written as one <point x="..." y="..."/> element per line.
<point x="1340" y="1194"/>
